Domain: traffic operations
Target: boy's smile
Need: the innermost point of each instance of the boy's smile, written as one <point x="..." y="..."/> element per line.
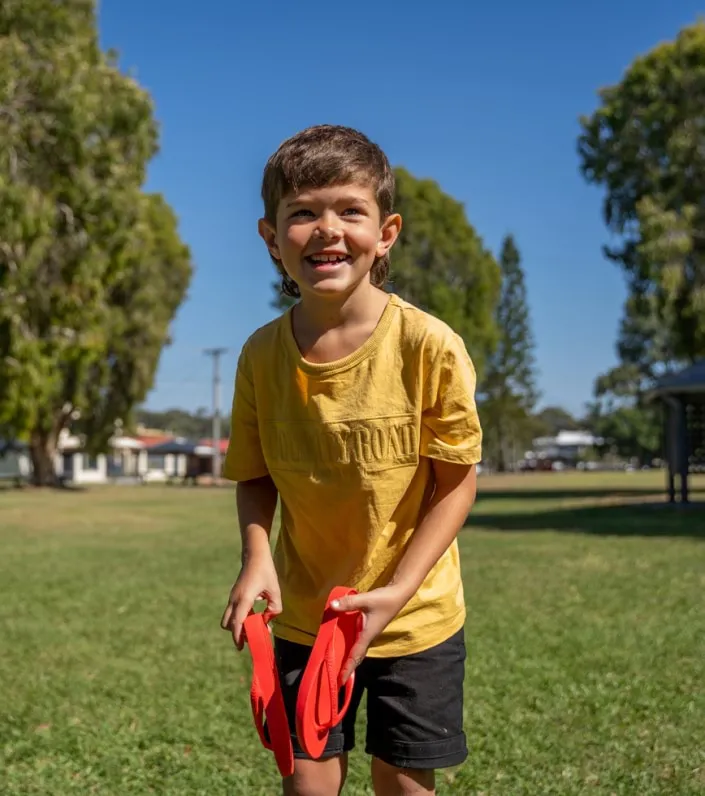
<point x="328" y="260"/>
<point x="327" y="239"/>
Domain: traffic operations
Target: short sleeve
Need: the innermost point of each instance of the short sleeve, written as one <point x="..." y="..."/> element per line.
<point x="244" y="459"/>
<point x="450" y="425"/>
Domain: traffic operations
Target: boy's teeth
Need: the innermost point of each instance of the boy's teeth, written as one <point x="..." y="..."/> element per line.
<point x="327" y="258"/>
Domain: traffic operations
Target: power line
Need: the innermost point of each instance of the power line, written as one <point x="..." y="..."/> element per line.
<point x="216" y="353"/>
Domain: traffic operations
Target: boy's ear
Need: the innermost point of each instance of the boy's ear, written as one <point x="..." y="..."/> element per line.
<point x="269" y="235"/>
<point x="389" y="232"/>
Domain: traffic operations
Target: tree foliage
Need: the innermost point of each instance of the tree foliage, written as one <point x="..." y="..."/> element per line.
<point x="623" y="417"/>
<point x="92" y="269"/>
<point x="192" y="425"/>
<point x="646" y="145"/>
<point x="441" y="265"/>
<point x="509" y="391"/>
<point x="551" y="420"/>
<point x="141" y="303"/>
<point x="621" y="412"/>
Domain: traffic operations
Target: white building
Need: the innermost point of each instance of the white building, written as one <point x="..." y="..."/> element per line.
<point x="14" y="463"/>
<point x="567" y="447"/>
<point x="129" y="458"/>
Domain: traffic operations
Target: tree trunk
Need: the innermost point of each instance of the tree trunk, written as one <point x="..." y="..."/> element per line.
<point x="42" y="449"/>
<point x="501" y="458"/>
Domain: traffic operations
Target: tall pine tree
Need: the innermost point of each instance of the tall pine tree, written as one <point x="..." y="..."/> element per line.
<point x="509" y="392"/>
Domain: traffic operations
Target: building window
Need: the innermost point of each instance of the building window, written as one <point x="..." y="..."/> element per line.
<point x="156" y="461"/>
<point x="90" y="462"/>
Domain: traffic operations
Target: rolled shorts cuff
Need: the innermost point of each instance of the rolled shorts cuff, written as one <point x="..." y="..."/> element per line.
<point x="338" y="744"/>
<point x="445" y="753"/>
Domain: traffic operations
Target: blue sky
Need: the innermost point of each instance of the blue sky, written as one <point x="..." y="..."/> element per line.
<point x="484" y="98"/>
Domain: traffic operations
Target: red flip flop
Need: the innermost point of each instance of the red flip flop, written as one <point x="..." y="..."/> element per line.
<point x="266" y="696"/>
<point x="317" y="709"/>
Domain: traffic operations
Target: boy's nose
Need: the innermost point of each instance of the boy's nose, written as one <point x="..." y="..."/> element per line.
<point x="327" y="232"/>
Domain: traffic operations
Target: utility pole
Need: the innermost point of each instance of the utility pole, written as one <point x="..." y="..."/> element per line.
<point x="216" y="353"/>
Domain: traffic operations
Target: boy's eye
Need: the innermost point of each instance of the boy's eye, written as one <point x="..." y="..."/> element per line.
<point x="352" y="210"/>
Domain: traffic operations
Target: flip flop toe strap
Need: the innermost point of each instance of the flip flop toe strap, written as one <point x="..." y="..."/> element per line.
<point x="327" y="673"/>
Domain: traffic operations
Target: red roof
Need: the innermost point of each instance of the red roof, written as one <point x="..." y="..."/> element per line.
<point x="153" y="439"/>
<point x="209" y="443"/>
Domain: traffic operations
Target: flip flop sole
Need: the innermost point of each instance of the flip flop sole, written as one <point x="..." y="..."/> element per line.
<point x="317" y="705"/>
<point x="266" y="696"/>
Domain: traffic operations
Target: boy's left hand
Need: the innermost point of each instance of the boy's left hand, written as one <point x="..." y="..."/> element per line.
<point x="378" y="608"/>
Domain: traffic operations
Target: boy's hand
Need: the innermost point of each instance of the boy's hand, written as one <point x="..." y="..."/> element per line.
<point x="257" y="581"/>
<point x="378" y="608"/>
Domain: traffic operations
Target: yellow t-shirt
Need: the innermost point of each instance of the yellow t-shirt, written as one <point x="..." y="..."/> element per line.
<point x="348" y="445"/>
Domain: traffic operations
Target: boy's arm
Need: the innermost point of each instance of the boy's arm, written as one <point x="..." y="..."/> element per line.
<point x="447" y="511"/>
<point x="256" y="504"/>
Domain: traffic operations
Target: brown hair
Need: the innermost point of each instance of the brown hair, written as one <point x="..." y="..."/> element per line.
<point x="327" y="155"/>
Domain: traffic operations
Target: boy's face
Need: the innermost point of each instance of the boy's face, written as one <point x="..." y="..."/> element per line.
<point x="327" y="239"/>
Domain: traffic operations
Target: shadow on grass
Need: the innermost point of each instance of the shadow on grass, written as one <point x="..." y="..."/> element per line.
<point x="565" y="494"/>
<point x="23" y="486"/>
<point x="635" y="519"/>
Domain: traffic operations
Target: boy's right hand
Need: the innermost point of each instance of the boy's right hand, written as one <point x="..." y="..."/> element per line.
<point x="257" y="581"/>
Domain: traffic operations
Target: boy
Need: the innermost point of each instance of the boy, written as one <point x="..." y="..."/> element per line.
<point x="357" y="410"/>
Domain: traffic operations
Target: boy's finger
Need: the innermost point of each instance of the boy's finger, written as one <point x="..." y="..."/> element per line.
<point x="225" y="621"/>
<point x="238" y="620"/>
<point x="353" y="602"/>
<point x="270" y="612"/>
<point x="274" y="604"/>
<point x="237" y="634"/>
<point x="357" y="655"/>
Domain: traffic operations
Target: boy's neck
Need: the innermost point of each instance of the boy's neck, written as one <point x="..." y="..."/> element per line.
<point x="364" y="305"/>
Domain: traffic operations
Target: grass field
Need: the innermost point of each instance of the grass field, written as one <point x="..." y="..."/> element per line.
<point x="586" y="640"/>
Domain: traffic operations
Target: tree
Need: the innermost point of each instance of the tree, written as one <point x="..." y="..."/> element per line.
<point x="646" y="145"/>
<point x="140" y="305"/>
<point x="181" y="423"/>
<point x="551" y="420"/>
<point x="91" y="268"/>
<point x="621" y="412"/>
<point x="629" y="424"/>
<point x="509" y="391"/>
<point x="441" y="265"/>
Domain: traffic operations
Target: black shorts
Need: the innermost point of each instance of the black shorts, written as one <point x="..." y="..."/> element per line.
<point x="414" y="705"/>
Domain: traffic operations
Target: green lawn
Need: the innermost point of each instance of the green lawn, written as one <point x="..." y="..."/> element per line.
<point x="586" y="637"/>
